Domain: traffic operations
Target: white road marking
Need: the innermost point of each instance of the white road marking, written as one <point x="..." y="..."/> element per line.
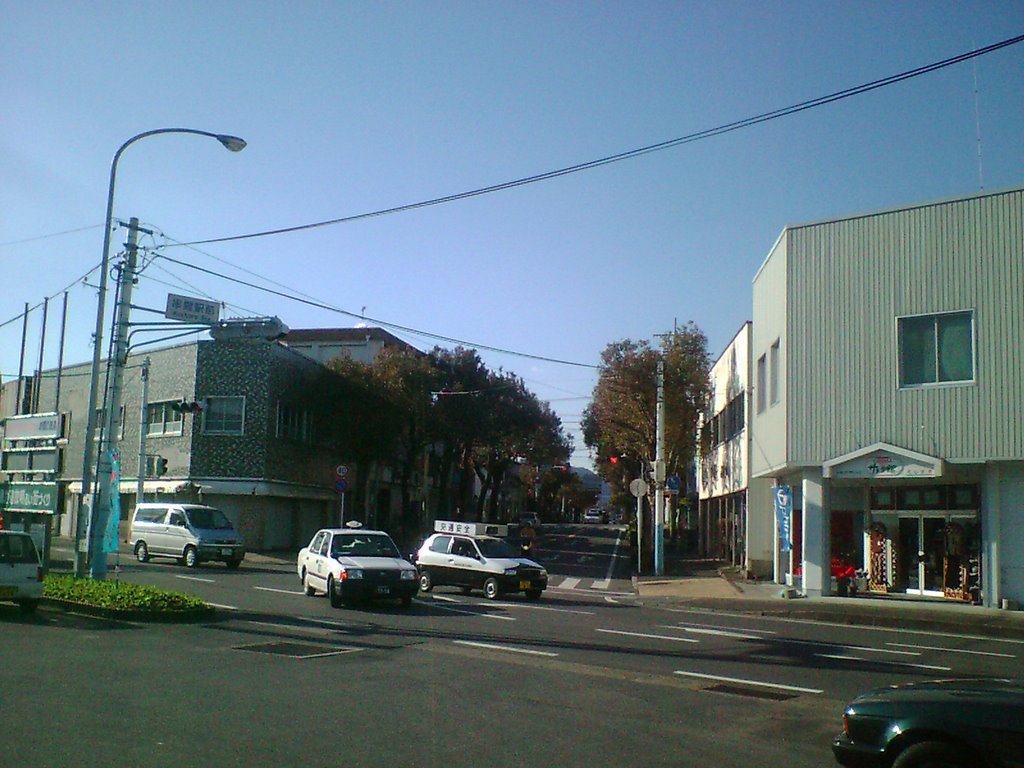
<point x="954" y="650"/>
<point x="509" y="648"/>
<point x="569" y="583"/>
<point x="530" y="606"/>
<point x="225" y="607"/>
<point x="716" y="632"/>
<point x="842" y="657"/>
<point x="195" y="578"/>
<point x="281" y="591"/>
<point x="603" y="584"/>
<point x="475" y="613"/>
<point x="611" y="563"/>
<point x="732" y="629"/>
<point x="648" y="636"/>
<point x="742" y="681"/>
<point x="812" y="622"/>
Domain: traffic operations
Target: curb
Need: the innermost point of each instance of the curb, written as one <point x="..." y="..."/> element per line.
<point x="191" y="615"/>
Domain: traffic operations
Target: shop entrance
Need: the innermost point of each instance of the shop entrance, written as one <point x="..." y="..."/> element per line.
<point x="923" y="545"/>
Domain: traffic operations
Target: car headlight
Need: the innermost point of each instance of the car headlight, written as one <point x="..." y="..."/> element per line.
<point x="510" y="571"/>
<point x="408" y="575"/>
<point x="351" y="573"/>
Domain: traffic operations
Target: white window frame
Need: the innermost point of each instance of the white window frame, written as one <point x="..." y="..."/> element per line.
<point x="934" y="316"/>
<point x="168" y="425"/>
<point x="762" y="384"/>
<point x="211" y="402"/>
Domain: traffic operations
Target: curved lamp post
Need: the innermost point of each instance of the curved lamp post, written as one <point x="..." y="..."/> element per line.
<point x="232" y="143"/>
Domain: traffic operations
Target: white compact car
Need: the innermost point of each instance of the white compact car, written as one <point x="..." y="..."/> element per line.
<point x="355" y="565"/>
<point x="21" y="572"/>
<point x="473" y="556"/>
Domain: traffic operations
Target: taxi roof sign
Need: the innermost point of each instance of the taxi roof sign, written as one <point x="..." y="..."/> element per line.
<point x="470" y="529"/>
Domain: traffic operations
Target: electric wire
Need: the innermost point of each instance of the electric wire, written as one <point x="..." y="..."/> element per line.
<point x="629" y="154"/>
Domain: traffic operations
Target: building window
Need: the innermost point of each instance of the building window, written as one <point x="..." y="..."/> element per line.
<point x="224" y="416"/>
<point x="773" y="365"/>
<point x="936" y="349"/>
<point x="762" y="384"/>
<point x="101" y="424"/>
<point x="294" y="423"/>
<point x="162" y="419"/>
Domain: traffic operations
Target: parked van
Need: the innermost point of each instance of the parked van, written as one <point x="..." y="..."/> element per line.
<point x="21" y="573"/>
<point x="190" y="533"/>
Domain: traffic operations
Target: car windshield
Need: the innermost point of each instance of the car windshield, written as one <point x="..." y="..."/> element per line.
<point x="363" y="545"/>
<point x="17" y="549"/>
<point x="208" y="518"/>
<point x="496" y="548"/>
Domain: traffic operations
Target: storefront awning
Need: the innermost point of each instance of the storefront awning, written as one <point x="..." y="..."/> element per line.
<point x="883" y="461"/>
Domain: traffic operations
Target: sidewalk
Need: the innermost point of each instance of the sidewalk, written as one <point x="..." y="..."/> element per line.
<point x="706" y="584"/>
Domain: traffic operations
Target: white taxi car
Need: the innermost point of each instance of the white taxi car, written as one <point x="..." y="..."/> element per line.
<point x="353" y="565"/>
<point x="21" y="573"/>
<point x="475" y="556"/>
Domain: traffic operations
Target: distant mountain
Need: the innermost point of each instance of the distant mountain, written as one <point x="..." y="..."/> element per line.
<point x="589" y="479"/>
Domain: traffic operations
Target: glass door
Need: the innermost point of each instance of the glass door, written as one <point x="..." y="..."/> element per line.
<point x="922" y="553"/>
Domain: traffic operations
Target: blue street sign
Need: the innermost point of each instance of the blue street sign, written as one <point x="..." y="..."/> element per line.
<point x="341" y="486"/>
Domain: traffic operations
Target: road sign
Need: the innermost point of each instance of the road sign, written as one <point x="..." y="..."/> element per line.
<point x="191" y="310"/>
<point x="638" y="487"/>
<point x="674" y="483"/>
<point x="341" y="486"/>
<point x="341" y="471"/>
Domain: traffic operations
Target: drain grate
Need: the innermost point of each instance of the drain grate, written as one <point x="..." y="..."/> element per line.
<point x="737" y="690"/>
<point x="295" y="650"/>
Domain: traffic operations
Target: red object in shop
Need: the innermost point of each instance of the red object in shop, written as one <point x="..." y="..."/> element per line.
<point x="841" y="568"/>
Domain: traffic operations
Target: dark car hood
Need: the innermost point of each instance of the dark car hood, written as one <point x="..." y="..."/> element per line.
<point x="946" y="690"/>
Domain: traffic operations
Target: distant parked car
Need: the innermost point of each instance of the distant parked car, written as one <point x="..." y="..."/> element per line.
<point x="21" y="572"/>
<point x="595" y="516"/>
<point x="942" y="724"/>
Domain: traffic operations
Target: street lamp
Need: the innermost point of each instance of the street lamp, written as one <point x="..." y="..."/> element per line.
<point x="232" y="143"/>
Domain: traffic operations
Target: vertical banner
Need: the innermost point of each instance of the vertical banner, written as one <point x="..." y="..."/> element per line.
<point x="783" y="515"/>
<point x="114" y="520"/>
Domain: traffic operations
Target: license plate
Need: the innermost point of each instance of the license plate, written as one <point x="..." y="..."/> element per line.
<point x="524" y="584"/>
<point x="382" y="590"/>
<point x="8" y="591"/>
<point x="227" y="552"/>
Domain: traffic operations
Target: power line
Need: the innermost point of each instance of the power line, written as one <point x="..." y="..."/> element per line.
<point x="663" y="145"/>
<point x="46" y="237"/>
<point x="382" y="323"/>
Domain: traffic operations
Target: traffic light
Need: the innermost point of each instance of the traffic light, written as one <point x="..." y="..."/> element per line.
<point x="186" y="406"/>
<point x="159" y="466"/>
<point x="1" y="519"/>
<point x="613" y="459"/>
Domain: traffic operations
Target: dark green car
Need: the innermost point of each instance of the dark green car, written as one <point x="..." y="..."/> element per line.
<point x="941" y="724"/>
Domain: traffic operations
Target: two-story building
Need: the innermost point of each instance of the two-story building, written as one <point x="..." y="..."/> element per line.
<point x="887" y="399"/>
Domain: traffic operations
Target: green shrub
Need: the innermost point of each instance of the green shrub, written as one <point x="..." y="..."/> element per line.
<point x="119" y="595"/>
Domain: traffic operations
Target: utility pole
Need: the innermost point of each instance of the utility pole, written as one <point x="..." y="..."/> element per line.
<point x="103" y="501"/>
<point x="659" y="476"/>
<point x="142" y="431"/>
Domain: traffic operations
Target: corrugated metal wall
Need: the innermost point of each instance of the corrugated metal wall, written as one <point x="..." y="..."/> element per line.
<point x="849" y="280"/>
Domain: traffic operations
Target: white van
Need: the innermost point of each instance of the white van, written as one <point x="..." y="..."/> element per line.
<point x="190" y="533"/>
<point x="21" y="573"/>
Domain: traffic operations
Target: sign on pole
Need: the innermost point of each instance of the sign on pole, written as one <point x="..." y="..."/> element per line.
<point x="191" y="310"/>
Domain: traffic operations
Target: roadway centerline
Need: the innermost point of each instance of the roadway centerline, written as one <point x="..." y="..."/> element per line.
<point x="715" y="632"/>
<point x="195" y="578"/>
<point x="742" y="681"/>
<point x="433" y="604"/>
<point x="281" y="591"/>
<point x="955" y="650"/>
<point x="648" y="636"/>
<point x="507" y="648"/>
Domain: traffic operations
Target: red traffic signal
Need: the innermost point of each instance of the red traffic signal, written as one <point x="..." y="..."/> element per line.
<point x="613" y="459"/>
<point x="186" y="406"/>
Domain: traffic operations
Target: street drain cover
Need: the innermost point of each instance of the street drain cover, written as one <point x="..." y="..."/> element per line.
<point x="738" y="690"/>
<point x="295" y="650"/>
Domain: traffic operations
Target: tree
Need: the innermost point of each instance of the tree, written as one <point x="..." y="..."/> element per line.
<point x="621" y="421"/>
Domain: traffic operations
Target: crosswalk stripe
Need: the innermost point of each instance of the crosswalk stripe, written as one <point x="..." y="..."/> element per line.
<point x="570" y="583"/>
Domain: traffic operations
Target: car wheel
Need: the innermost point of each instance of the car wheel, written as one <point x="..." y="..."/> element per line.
<point x="308" y="588"/>
<point x="491" y="589"/>
<point x="28" y="606"/>
<point x="335" y="599"/>
<point x="932" y="754"/>
<point x="191" y="558"/>
<point x="534" y="594"/>
<point x="426" y="583"/>
<point x="142" y="552"/>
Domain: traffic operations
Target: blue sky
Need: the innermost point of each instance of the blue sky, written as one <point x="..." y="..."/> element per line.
<point x="351" y="108"/>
